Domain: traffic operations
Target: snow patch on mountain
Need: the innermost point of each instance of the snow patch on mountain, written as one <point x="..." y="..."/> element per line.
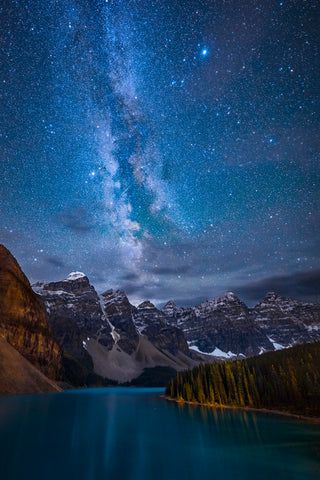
<point x="278" y="346"/>
<point x="215" y="353"/>
<point x="74" y="276"/>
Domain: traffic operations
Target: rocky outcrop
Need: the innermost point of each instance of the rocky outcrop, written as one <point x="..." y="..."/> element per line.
<point x="23" y="320"/>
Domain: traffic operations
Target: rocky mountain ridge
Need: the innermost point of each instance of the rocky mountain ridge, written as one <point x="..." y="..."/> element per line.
<point x="227" y="327"/>
<point x="122" y="339"/>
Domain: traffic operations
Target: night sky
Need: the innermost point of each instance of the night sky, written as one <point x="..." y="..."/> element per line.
<point x="167" y="148"/>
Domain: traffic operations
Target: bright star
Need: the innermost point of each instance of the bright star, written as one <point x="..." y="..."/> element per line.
<point x="204" y="52"/>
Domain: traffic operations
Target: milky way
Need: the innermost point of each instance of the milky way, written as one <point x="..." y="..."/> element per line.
<point x="170" y="149"/>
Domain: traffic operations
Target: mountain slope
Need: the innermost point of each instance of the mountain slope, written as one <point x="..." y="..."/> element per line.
<point x="287" y="322"/>
<point x="23" y="321"/>
<point x="19" y="376"/>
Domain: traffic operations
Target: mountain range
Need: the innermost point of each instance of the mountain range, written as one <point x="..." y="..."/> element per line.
<point x="70" y="332"/>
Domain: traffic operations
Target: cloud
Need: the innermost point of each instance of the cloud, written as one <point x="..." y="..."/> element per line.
<point x="129" y="277"/>
<point x="56" y="262"/>
<point x="304" y="285"/>
<point x="175" y="270"/>
<point x="77" y="219"/>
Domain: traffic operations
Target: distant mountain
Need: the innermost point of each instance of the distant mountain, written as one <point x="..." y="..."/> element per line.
<point x="23" y="321"/>
<point x="226" y="327"/>
<point x="122" y="340"/>
<point x="287" y="322"/>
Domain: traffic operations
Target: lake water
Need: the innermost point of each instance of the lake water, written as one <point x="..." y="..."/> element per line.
<point x="122" y="434"/>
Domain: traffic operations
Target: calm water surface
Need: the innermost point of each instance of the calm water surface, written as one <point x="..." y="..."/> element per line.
<point x="120" y="433"/>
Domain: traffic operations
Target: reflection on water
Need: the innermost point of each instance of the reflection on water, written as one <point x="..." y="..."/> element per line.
<point x="134" y="434"/>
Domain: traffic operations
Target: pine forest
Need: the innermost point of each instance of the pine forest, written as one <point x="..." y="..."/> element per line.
<point x="286" y="380"/>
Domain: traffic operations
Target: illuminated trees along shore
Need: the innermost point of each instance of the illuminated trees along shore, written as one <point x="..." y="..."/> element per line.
<point x="287" y="380"/>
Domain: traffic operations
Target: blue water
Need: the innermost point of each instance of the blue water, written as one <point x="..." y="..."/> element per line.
<point x="120" y="433"/>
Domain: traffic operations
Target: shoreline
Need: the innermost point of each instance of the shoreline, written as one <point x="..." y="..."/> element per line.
<point x="304" y="418"/>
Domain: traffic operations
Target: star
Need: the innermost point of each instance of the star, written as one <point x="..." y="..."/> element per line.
<point x="164" y="138"/>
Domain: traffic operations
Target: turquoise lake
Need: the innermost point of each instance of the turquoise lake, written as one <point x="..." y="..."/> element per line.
<point x="127" y="433"/>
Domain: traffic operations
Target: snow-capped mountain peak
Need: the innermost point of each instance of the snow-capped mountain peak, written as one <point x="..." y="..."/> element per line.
<point x="74" y="276"/>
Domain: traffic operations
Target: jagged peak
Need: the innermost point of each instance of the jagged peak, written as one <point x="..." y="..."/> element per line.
<point x="74" y="276"/>
<point x="145" y="305"/>
<point x="272" y="296"/>
<point x="169" y="304"/>
<point x="114" y="293"/>
<point x="275" y="298"/>
<point x="228" y="295"/>
<point x="116" y="298"/>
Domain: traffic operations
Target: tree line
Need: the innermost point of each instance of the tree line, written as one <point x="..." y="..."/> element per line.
<point x="287" y="380"/>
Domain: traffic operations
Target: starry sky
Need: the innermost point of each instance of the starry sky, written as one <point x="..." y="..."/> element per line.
<point x="167" y="148"/>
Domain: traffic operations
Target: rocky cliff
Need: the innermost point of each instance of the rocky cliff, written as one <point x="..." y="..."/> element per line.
<point x="23" y="321"/>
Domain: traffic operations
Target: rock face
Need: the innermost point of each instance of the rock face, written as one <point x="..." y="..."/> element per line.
<point x="142" y="338"/>
<point x="120" y="313"/>
<point x="287" y="322"/>
<point x="23" y="321"/>
<point x="152" y="323"/>
<point x="220" y="327"/>
<point x="131" y="322"/>
<point x="226" y="327"/>
<point x="76" y="299"/>
<point x="75" y="316"/>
